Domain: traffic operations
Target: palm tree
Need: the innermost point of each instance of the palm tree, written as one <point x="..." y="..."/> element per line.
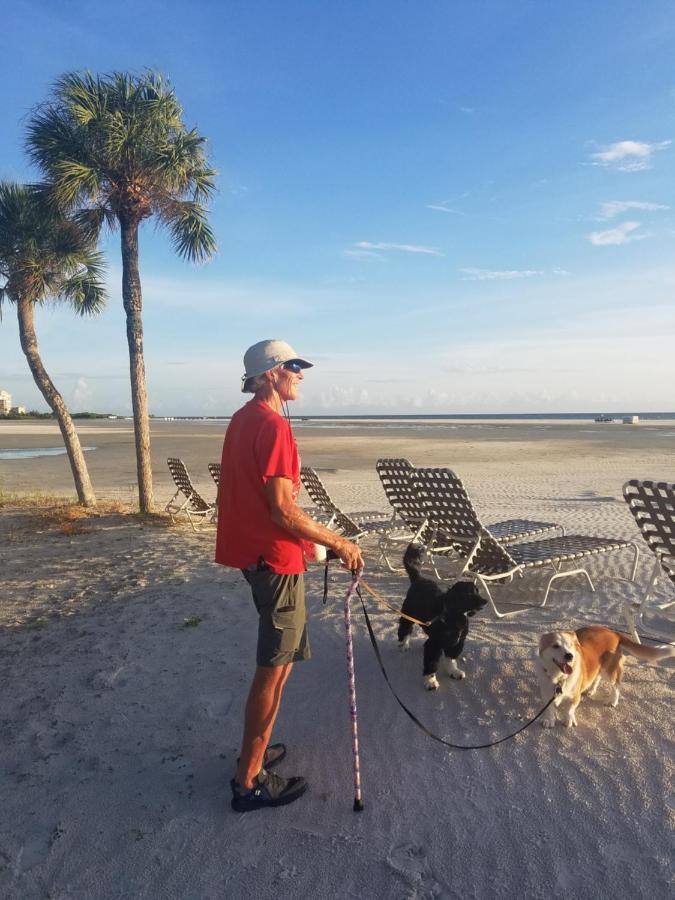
<point x="115" y="147"/>
<point x="46" y="256"/>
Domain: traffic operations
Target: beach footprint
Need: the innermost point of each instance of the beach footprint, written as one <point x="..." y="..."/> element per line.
<point x="411" y="862"/>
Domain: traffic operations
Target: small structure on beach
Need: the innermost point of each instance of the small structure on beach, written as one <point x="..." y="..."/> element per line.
<point x="631" y="420"/>
<point x="5" y="403"/>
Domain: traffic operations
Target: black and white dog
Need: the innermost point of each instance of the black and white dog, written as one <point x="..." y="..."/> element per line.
<point x="447" y="612"/>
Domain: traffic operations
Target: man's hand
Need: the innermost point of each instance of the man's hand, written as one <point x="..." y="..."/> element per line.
<point x="350" y="555"/>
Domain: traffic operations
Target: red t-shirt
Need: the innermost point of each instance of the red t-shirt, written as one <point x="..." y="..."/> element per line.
<point x="259" y="444"/>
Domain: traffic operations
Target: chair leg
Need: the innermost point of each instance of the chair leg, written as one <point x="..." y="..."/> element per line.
<point x="493" y="606"/>
<point x="566" y="575"/>
<point x="630" y="614"/>
<point x="385" y="559"/>
<point x="656" y="571"/>
<point x="636" y="557"/>
<point x="174" y="510"/>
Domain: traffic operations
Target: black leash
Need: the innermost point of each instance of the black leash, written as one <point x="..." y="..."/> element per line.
<point x="419" y="724"/>
<point x="649" y="637"/>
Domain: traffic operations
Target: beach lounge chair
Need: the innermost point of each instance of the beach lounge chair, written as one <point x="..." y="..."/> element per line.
<point x="485" y="559"/>
<point x="409" y="513"/>
<point x="398" y="480"/>
<point x="214" y="471"/>
<point x="351" y="525"/>
<point x="652" y="504"/>
<point x="187" y="501"/>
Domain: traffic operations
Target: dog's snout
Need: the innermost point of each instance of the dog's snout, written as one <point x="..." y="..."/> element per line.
<point x="569" y="657"/>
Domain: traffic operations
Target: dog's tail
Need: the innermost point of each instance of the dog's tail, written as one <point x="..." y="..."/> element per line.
<point x="412" y="561"/>
<point x="654" y="654"/>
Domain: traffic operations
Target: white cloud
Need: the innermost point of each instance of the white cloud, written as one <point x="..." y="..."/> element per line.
<point x="471" y="274"/>
<point x="363" y="254"/>
<point x="441" y="207"/>
<point x="81" y="396"/>
<point x="622" y="234"/>
<point x="612" y="208"/>
<point x="628" y="156"/>
<point x="402" y="248"/>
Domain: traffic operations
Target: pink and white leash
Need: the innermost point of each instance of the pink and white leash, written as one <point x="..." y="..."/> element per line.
<point x="358" y="802"/>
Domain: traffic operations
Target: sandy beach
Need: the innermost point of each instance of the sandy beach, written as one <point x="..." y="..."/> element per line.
<point x="121" y="723"/>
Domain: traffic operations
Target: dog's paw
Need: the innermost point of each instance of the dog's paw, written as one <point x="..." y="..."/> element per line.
<point x="431" y="683"/>
<point x="454" y="671"/>
<point x="548" y="723"/>
<point x="404" y="645"/>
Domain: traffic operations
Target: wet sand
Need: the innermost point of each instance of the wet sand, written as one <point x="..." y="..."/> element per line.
<point x="479" y="449"/>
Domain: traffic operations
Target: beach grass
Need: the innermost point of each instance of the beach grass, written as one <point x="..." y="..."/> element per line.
<point x="66" y="514"/>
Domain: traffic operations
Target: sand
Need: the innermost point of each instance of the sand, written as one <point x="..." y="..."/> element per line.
<point x="120" y="723"/>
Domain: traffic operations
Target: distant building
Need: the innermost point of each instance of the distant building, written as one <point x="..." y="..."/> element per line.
<point x="5" y="403"/>
<point x="19" y="410"/>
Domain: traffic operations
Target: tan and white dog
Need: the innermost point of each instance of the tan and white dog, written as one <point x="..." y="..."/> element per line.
<point x="572" y="663"/>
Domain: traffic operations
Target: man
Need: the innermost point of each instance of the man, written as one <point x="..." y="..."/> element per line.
<point x="264" y="533"/>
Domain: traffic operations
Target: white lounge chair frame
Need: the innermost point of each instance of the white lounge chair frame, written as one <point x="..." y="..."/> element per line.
<point x="352" y="525"/>
<point x="484" y="558"/>
<point x="398" y="481"/>
<point x="652" y="504"/>
<point x="187" y="501"/>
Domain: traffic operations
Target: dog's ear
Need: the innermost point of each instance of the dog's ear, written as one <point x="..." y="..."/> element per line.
<point x="546" y="640"/>
<point x="462" y="589"/>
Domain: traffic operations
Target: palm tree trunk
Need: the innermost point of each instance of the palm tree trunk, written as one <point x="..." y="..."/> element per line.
<point x="85" y="492"/>
<point x="131" y="295"/>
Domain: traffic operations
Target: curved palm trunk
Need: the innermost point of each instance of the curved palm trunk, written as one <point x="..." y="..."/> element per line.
<point x="131" y="295"/>
<point x="85" y="492"/>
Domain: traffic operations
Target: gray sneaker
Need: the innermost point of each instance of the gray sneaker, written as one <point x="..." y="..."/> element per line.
<point x="271" y="790"/>
<point x="273" y="755"/>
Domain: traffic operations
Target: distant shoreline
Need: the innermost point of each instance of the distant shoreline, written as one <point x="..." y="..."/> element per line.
<point x="382" y="417"/>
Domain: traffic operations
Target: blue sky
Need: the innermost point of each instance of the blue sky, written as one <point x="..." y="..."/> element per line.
<point x="450" y="207"/>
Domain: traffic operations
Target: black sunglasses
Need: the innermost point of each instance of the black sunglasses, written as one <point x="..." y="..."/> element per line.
<point x="293" y="367"/>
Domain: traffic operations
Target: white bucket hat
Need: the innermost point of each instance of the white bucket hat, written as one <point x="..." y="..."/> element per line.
<point x="265" y="355"/>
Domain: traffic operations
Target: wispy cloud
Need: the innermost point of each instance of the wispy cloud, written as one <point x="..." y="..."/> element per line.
<point x="614" y="237"/>
<point x="468" y="110"/>
<point x="362" y="254"/>
<point x="612" y="208"/>
<point x="472" y="274"/>
<point x="441" y="207"/>
<point x="371" y="247"/>
<point x="628" y="156"/>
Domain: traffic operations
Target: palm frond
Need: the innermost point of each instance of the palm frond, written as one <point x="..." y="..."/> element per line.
<point x="87" y="101"/>
<point x="85" y="291"/>
<point x="44" y="254"/>
<point x="191" y="234"/>
<point x="73" y="181"/>
<point x="92" y="220"/>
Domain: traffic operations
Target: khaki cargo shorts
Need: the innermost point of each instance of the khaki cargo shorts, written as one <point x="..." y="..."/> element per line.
<point x="282" y="624"/>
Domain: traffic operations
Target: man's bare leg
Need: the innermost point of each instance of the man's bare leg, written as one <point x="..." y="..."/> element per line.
<point x="262" y="707"/>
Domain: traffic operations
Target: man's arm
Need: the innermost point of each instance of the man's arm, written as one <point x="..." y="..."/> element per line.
<point x="288" y="515"/>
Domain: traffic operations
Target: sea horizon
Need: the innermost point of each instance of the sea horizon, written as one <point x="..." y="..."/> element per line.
<point x="440" y="417"/>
